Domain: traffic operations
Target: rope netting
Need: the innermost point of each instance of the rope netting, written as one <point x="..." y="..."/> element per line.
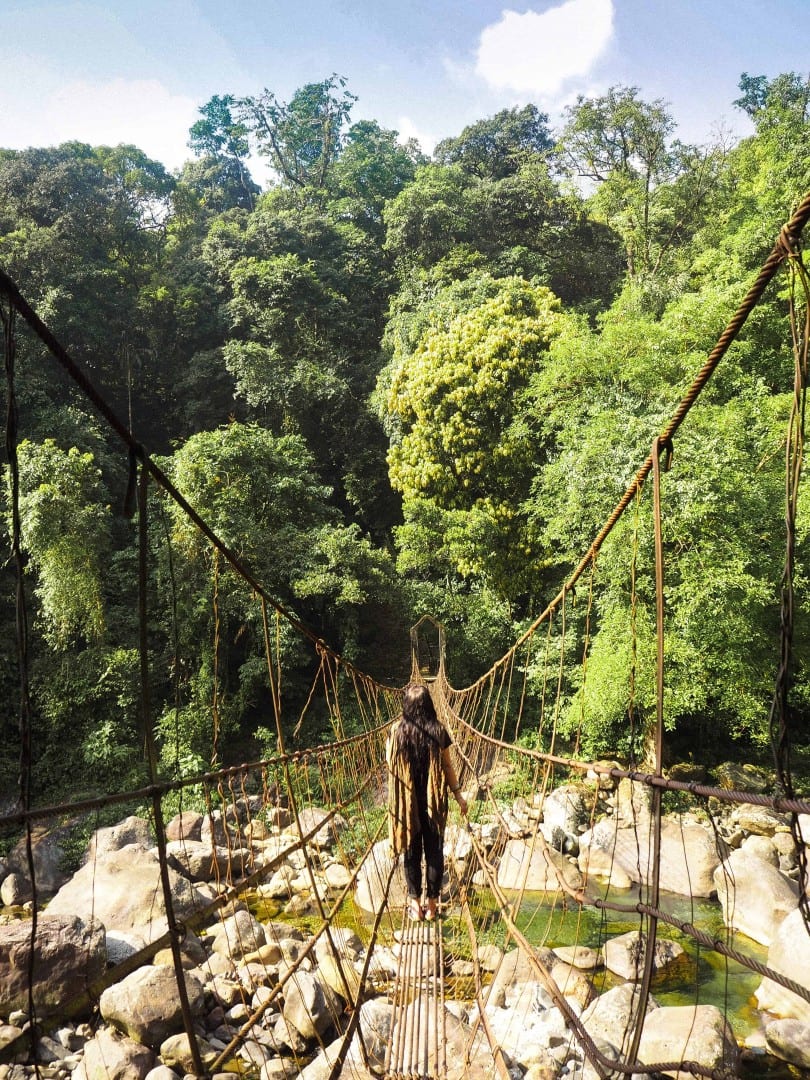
<point x="253" y="871"/>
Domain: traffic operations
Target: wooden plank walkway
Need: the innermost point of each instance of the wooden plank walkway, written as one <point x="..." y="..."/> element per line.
<point x="418" y="1046"/>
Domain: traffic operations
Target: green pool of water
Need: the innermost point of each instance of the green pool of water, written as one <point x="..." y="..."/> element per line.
<point x="702" y="977"/>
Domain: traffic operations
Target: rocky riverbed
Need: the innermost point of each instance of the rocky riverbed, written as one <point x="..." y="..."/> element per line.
<point x="243" y="962"/>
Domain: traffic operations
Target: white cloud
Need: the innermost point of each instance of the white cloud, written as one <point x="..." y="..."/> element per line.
<point x="407" y="129"/>
<point x="142" y="112"/>
<point x="537" y="53"/>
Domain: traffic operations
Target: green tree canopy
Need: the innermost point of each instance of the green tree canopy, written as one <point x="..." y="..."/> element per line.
<point x="497" y="147"/>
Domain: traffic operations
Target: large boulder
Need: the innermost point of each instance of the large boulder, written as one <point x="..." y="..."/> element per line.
<point x="132" y="830"/>
<point x="518" y="969"/>
<point x="789" y="954"/>
<point x="201" y="862"/>
<point x="16" y="890"/>
<point x="330" y="826"/>
<point x="68" y="954"/>
<point x="146" y="1004"/>
<point x="789" y="1040"/>
<point x="755" y="895"/>
<point x="698" y="1033"/>
<point x="123" y="890"/>
<point x="689" y="854"/>
<point x="611" y="1016"/>
<point x="532" y="865"/>
<point x="374" y="1028"/>
<point x="238" y="935"/>
<point x="565" y="815"/>
<point x="310" y="1005"/>
<point x="48" y="851"/>
<point x="371" y="879"/>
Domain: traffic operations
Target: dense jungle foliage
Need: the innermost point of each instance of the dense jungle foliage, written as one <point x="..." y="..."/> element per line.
<point x="398" y="383"/>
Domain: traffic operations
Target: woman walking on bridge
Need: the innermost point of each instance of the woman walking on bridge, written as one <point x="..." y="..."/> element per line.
<point x="420" y="770"/>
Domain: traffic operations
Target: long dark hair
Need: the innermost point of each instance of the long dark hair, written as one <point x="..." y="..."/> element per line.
<point x="419" y="735"/>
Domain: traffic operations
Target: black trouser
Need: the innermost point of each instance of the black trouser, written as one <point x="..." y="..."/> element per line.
<point x="431" y="841"/>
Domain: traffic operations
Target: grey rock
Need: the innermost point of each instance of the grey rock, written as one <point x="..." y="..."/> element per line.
<point x="535" y="867"/>
<point x="789" y="1040"/>
<point x="146" y="1005"/>
<point x="123" y="890"/>
<point x="111" y="1056"/>
<point x="755" y="895"/>
<point x="789" y="954"/>
<point x="69" y="952"/>
<point x="689" y="1033"/>
<point x="132" y="830"/>
<point x="624" y="955"/>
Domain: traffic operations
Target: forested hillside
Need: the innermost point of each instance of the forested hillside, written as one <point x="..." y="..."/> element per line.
<point x="398" y="383"/>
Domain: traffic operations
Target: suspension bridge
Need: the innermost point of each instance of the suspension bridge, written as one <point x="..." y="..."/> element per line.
<point x="445" y="978"/>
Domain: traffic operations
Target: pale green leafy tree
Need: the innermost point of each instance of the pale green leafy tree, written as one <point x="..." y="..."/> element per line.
<point x="466" y="443"/>
<point x="66" y="533"/>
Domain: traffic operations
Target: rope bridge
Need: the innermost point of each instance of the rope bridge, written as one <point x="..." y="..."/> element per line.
<point x="317" y="814"/>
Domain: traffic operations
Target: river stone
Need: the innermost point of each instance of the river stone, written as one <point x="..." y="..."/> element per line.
<point x="579" y="956"/>
<point x="132" y="830"/>
<point x="566" y="808"/>
<point x="755" y="895"/>
<point x="200" y="862"/>
<point x="612" y="1015"/>
<point x="176" y="1052"/>
<point x="310" y="1005"/>
<point x="490" y="957"/>
<point x="278" y="1068"/>
<point x="689" y="1033"/>
<point x="376" y="1017"/>
<point x="517" y="969"/>
<point x="535" y="867"/>
<point x="123" y="890"/>
<point x="311" y="817"/>
<point x="238" y="935"/>
<point x="761" y="846"/>
<point x="573" y="982"/>
<point x="47" y="846"/>
<point x="370" y="892"/>
<point x="8" y="1034"/>
<point x="736" y="777"/>
<point x="689" y="854"/>
<point x="633" y="804"/>
<point x="624" y="954"/>
<point x="337" y="877"/>
<point x="16" y="890"/>
<point x="112" y="1056"/>
<point x="789" y="954"/>
<point x="593" y="861"/>
<point x="759" y="820"/>
<point x="69" y="953"/>
<point x="146" y="1004"/>
<point x="790" y="1041"/>
<point x="531" y="1022"/>
<point x="185" y="826"/>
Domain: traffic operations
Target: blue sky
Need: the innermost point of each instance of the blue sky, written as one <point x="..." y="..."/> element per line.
<point x="116" y="71"/>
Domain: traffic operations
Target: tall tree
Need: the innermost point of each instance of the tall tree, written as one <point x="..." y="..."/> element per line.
<point x="498" y="146"/>
<point x="301" y="137"/>
<point x="623" y="145"/>
<point x="222" y="140"/>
